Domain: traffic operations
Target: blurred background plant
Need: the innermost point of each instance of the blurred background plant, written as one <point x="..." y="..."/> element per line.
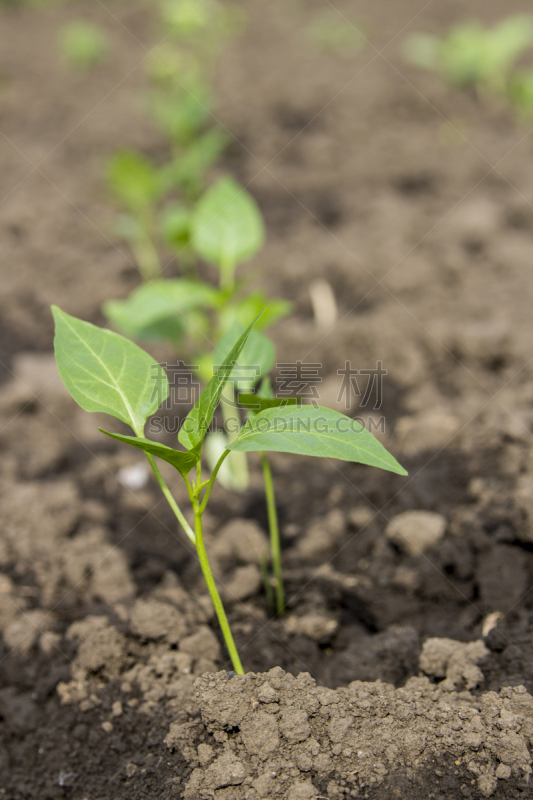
<point x="331" y="32"/>
<point x="165" y="206"/>
<point x="83" y="44"/>
<point x="484" y="59"/>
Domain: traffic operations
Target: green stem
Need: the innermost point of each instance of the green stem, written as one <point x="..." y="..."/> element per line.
<point x="239" y="464"/>
<point x="212" y="479"/>
<point x="274" y="535"/>
<point x="227" y="275"/>
<point x="146" y="251"/>
<point x="172" y="503"/>
<point x="213" y="591"/>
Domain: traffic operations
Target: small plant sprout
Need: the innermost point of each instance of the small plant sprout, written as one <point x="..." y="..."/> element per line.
<point x="107" y="373"/>
<point x="471" y="55"/>
<point x="225" y="229"/>
<point x="138" y="186"/>
<point x="83" y="44"/>
<point x="330" y="32"/>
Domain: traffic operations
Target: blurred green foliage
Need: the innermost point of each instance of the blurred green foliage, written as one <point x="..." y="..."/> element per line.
<point x="330" y="32"/>
<point x="483" y="58"/>
<point x="83" y="44"/>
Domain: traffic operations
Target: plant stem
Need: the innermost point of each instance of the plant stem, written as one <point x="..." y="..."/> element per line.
<point x="146" y="251"/>
<point x="211" y="482"/>
<point x="238" y="462"/>
<point x="227" y="275"/>
<point x="172" y="503"/>
<point x="274" y="535"/>
<point x="213" y="591"/>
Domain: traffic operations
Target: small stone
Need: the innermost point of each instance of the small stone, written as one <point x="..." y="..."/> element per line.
<point x="267" y="694"/>
<point x="244" y="583"/>
<point x="107" y="726"/>
<point x="202" y="644"/>
<point x="240" y="540"/>
<point x="116" y="709"/>
<point x="318" y="627"/>
<point x="416" y="531"/>
<point x="134" y="477"/>
<point x="302" y="790"/>
<point x="22" y="634"/>
<point x="205" y="754"/>
<point x="294" y="725"/>
<point x="226" y="771"/>
<point x="260" y="733"/>
<point x="503" y="772"/>
<point x="151" y="619"/>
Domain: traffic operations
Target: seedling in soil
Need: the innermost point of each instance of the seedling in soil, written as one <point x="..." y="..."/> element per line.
<point x="107" y="373"/>
<point x="471" y="55"/>
<point x="226" y="229"/>
<point x="331" y="32"/>
<point x="139" y="186"/>
<point x="83" y="44"/>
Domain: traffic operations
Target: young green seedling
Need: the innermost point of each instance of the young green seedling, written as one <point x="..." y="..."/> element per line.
<point x="471" y="55"/>
<point x="83" y="44"/>
<point x="226" y="229"/>
<point x="139" y="186"/>
<point x="105" y="372"/>
<point x="331" y="32"/>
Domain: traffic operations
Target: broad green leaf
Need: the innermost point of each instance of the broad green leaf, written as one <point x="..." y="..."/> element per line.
<point x="105" y="372"/>
<point x="183" y="462"/>
<point x="160" y="309"/>
<point x="314" y="431"/>
<point x="197" y="421"/>
<point x="227" y="225"/>
<point x="133" y="179"/>
<point x="257" y="403"/>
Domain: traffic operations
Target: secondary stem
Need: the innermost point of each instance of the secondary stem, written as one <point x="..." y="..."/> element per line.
<point x="274" y="535"/>
<point x="212" y="479"/>
<point x="172" y="503"/>
<point x="239" y="465"/>
<point x="213" y="591"/>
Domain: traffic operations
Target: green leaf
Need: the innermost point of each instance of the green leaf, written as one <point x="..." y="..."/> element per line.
<point x="188" y="172"/>
<point x="105" y="372"/>
<point x="133" y="179"/>
<point x="160" y="309"/>
<point x="197" y="421"/>
<point x="181" y="112"/>
<point x="227" y="225"/>
<point x="257" y="357"/>
<point x="176" y="225"/>
<point x="314" y="431"/>
<point x="183" y="462"/>
<point x="257" y="403"/>
<point x="247" y="309"/>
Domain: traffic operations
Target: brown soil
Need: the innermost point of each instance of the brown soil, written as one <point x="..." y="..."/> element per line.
<point x="416" y="204"/>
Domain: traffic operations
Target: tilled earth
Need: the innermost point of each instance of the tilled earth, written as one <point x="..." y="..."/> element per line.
<point x="409" y="599"/>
